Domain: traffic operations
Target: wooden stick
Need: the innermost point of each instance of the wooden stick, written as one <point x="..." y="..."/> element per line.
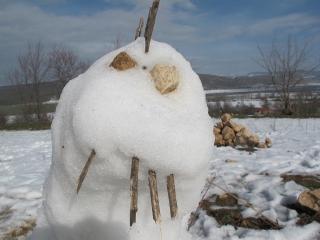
<point x="195" y="214"/>
<point x="134" y="190"/>
<point x="138" y="31"/>
<point x="154" y="196"/>
<point x="150" y="24"/>
<point x="172" y="196"/>
<point x="84" y="171"/>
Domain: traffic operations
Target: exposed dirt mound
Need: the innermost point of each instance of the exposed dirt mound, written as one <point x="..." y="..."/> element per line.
<point x="309" y="181"/>
<point x="232" y="215"/>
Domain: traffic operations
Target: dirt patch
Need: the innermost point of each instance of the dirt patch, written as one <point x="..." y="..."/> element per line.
<point x="226" y="216"/>
<point x="232" y="216"/>
<point x="306" y="219"/>
<point x="306" y="215"/>
<point x="223" y="200"/>
<point x="257" y="224"/>
<point x="308" y="181"/>
<point x="22" y="230"/>
<point x="5" y="214"/>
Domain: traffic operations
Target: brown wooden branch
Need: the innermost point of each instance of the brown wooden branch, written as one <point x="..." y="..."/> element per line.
<point x="134" y="190"/>
<point x="150" y="24"/>
<point x="138" y="31"/>
<point x="84" y="171"/>
<point x="195" y="214"/>
<point x="154" y="196"/>
<point x="171" y="188"/>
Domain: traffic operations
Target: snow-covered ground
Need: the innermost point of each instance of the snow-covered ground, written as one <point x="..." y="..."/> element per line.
<point x="25" y="158"/>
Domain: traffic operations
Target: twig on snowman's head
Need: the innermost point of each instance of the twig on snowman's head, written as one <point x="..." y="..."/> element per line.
<point x="150" y="24"/>
<point x="138" y="31"/>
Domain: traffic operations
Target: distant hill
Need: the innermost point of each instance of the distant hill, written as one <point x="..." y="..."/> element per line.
<point x="254" y="79"/>
<point x="226" y="82"/>
<point x="209" y="82"/>
<point x="9" y="97"/>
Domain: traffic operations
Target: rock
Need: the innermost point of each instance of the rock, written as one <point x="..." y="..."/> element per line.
<point x="253" y="140"/>
<point x="231" y="124"/>
<point x="241" y="141"/>
<point x="230" y="143"/>
<point x="216" y="130"/>
<point x="123" y="62"/>
<point x="239" y="134"/>
<point x="246" y="133"/>
<point x="261" y="145"/>
<point x="219" y="125"/>
<point x="238" y="128"/>
<point x="231" y="161"/>
<point x="268" y="142"/>
<point x="310" y="199"/>
<point x="219" y="140"/>
<point x="165" y="77"/>
<point x="227" y="133"/>
<point x="225" y="117"/>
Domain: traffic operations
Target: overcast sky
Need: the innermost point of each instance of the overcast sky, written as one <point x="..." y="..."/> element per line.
<point x="217" y="36"/>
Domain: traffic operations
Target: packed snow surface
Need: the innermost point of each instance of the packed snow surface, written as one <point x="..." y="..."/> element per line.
<point x="120" y="115"/>
<point x="25" y="158"/>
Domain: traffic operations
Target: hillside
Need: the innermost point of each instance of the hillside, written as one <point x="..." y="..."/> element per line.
<point x="254" y="79"/>
<point x="210" y="82"/>
<point x="226" y="82"/>
<point x="8" y="94"/>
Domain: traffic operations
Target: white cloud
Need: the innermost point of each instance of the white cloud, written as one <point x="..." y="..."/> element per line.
<point x="186" y="4"/>
<point x="20" y="23"/>
<point x="179" y="23"/>
<point x="297" y="21"/>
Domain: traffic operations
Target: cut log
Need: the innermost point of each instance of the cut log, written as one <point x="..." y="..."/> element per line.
<point x="84" y="171"/>
<point x="150" y="24"/>
<point x="134" y="190"/>
<point x="154" y="197"/>
<point x="172" y="196"/>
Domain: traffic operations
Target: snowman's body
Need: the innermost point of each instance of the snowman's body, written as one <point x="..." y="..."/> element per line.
<point x="120" y="114"/>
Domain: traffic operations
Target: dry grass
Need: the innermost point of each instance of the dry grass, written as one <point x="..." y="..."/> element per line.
<point x="23" y="229"/>
<point x="5" y="214"/>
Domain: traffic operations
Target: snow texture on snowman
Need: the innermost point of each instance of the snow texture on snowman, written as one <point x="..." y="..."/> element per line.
<point x="122" y="114"/>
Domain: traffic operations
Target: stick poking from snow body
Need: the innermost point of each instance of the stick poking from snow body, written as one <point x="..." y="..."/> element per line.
<point x="134" y="190"/>
<point x="85" y="171"/>
<point x="154" y="196"/>
<point x="172" y="196"/>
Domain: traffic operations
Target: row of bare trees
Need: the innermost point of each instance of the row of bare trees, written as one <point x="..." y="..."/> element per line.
<point x="304" y="103"/>
<point x="36" y="66"/>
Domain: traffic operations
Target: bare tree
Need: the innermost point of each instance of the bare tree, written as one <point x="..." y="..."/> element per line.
<point x="31" y="72"/>
<point x="116" y="43"/>
<point x="65" y="65"/>
<point x="287" y="65"/>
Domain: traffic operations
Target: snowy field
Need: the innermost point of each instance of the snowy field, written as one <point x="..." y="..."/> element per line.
<point x="25" y="158"/>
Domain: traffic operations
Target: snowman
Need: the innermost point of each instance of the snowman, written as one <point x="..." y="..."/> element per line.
<point x="132" y="141"/>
